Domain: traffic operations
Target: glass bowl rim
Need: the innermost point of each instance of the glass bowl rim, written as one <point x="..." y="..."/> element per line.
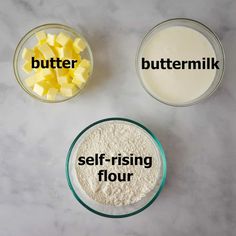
<point x="198" y="99"/>
<point x="158" y="146"/>
<point x="27" y="36"/>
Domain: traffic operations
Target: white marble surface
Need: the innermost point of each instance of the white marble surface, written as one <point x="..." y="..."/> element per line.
<point x="200" y="141"/>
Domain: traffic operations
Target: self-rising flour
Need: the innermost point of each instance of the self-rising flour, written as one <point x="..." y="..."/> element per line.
<point x="117" y="147"/>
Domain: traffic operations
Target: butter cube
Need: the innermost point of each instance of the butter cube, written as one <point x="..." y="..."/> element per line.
<point x="46" y="51"/>
<point x="41" y="37"/>
<point x="79" y="45"/>
<point x="51" y="94"/>
<point x="44" y="76"/>
<point x="54" y="84"/>
<point x="30" y="81"/>
<point x="64" y="52"/>
<point x="27" y="54"/>
<point x="80" y="84"/>
<point x="51" y="39"/>
<point x="27" y="67"/>
<point x="54" y="49"/>
<point x="64" y="79"/>
<point x="72" y="70"/>
<point x="75" y="56"/>
<point x="47" y="73"/>
<point x="61" y="71"/>
<point x="78" y="58"/>
<point x="39" y="77"/>
<point x="41" y="88"/>
<point x="81" y="73"/>
<point x="37" y="70"/>
<point x="68" y="90"/>
<point x="37" y="54"/>
<point x="63" y="39"/>
<point x="57" y="50"/>
<point x="85" y="63"/>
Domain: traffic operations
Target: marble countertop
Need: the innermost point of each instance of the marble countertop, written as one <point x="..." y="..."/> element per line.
<point x="200" y="141"/>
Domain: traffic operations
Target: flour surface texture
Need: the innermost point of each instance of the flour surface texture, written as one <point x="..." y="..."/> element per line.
<point x="112" y="138"/>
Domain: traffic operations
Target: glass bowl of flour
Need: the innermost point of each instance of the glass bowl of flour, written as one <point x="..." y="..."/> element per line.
<point x="116" y="167"/>
<point x="180" y="62"/>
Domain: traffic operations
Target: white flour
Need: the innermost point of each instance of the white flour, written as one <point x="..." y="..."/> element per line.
<point x="111" y="138"/>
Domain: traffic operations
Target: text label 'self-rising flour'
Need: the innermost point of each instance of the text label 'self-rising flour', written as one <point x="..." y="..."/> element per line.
<point x="128" y="153"/>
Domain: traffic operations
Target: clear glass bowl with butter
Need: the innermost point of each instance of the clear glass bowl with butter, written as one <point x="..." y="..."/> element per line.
<point x="65" y="88"/>
<point x="110" y="210"/>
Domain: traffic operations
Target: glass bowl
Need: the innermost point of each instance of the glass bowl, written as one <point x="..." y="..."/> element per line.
<point x="212" y="38"/>
<point x="29" y="40"/>
<point x="112" y="211"/>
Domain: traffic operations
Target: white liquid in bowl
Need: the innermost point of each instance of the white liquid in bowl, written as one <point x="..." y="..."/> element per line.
<point x="177" y="43"/>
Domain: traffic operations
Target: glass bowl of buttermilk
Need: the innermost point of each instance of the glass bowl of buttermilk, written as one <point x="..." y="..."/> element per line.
<point x="180" y="62"/>
<point x="103" y="186"/>
<point x="53" y="63"/>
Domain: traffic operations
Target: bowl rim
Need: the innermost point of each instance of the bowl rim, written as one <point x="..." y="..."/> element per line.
<point x="200" y="98"/>
<point x="162" y="156"/>
<point x="26" y="36"/>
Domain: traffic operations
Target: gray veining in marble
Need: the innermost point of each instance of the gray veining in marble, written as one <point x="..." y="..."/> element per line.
<point x="200" y="141"/>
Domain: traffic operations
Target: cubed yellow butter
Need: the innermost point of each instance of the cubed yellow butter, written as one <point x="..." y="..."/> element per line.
<point x="61" y="71"/>
<point x="64" y="79"/>
<point x="44" y="76"/>
<point x="68" y="90"/>
<point x="81" y="73"/>
<point x="30" y="81"/>
<point x="53" y="84"/>
<point x="54" y="49"/>
<point x="46" y="51"/>
<point x="72" y="70"/>
<point x="27" y="67"/>
<point x="74" y="55"/>
<point x="51" y="94"/>
<point x="49" y="74"/>
<point x="58" y="51"/>
<point x="37" y="70"/>
<point x="41" y="37"/>
<point x="78" y="57"/>
<point x="37" y="54"/>
<point x="85" y="63"/>
<point x="49" y="81"/>
<point x="39" y="77"/>
<point x="79" y="45"/>
<point x="27" y="54"/>
<point x="64" y="52"/>
<point x="63" y="39"/>
<point x="80" y="84"/>
<point x="41" y="88"/>
<point x="51" y="39"/>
